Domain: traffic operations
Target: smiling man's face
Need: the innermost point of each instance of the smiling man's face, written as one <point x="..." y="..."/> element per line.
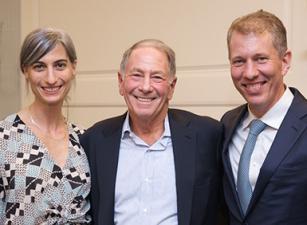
<point x="147" y="85"/>
<point x="258" y="70"/>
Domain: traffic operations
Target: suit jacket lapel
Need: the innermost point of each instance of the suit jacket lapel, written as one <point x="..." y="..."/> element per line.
<point x="234" y="203"/>
<point x="184" y="144"/>
<point x="108" y="143"/>
<point x="290" y="130"/>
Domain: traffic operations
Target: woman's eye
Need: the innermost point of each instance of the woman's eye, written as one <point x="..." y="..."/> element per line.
<point x="60" y="66"/>
<point x="38" y="67"/>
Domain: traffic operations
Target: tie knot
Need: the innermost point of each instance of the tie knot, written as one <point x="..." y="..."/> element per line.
<point x="256" y="127"/>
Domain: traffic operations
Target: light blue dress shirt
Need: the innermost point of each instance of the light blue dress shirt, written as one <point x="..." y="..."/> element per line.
<point x="145" y="191"/>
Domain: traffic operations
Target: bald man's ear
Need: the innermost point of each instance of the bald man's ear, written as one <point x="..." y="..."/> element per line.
<point x="174" y="81"/>
<point x="120" y="81"/>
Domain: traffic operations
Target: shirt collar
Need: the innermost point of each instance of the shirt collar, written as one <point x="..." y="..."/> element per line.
<point x="126" y="127"/>
<point x="127" y="132"/>
<point x="274" y="117"/>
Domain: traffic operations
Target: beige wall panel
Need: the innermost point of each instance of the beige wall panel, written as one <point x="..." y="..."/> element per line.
<point x="86" y="116"/>
<point x="9" y="42"/>
<point x="205" y="87"/>
<point x="195" y="29"/>
<point x="103" y="29"/>
<point x="96" y="90"/>
<point x="298" y="44"/>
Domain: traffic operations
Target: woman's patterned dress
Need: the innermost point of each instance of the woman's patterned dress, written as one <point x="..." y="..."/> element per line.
<point x="33" y="189"/>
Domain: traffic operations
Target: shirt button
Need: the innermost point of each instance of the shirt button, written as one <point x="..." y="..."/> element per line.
<point x="147" y="180"/>
<point x="145" y="210"/>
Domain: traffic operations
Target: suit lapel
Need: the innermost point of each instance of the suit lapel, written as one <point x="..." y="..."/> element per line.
<point x="290" y="130"/>
<point x="184" y="145"/>
<point x="231" y="126"/>
<point x="108" y="143"/>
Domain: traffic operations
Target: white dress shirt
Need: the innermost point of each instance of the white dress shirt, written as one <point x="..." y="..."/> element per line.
<point x="273" y="119"/>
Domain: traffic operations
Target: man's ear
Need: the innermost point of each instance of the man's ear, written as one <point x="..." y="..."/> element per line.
<point x="174" y="82"/>
<point x="286" y="62"/>
<point x="172" y="88"/>
<point x="120" y="80"/>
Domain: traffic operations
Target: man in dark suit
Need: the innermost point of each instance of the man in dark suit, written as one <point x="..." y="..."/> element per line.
<point x="268" y="185"/>
<point x="153" y="165"/>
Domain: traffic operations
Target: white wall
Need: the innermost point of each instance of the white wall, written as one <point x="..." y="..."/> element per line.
<point x="196" y="29"/>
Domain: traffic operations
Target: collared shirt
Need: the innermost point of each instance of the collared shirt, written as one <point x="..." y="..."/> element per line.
<point x="145" y="190"/>
<point x="273" y="119"/>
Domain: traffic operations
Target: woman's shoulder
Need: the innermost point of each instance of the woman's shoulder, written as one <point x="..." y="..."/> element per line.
<point x="11" y="120"/>
<point x="11" y="124"/>
<point x="75" y="129"/>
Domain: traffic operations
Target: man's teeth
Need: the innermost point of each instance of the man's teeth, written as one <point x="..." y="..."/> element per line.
<point x="144" y="99"/>
<point x="253" y="86"/>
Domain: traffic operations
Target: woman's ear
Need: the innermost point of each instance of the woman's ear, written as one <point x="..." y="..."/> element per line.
<point x="74" y="67"/>
<point x="25" y="72"/>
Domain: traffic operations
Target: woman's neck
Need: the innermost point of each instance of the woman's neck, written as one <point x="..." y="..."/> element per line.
<point x="46" y="119"/>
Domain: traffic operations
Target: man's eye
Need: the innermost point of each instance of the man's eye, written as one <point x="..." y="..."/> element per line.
<point x="136" y="76"/>
<point x="262" y="59"/>
<point x="157" y="79"/>
<point x="237" y="62"/>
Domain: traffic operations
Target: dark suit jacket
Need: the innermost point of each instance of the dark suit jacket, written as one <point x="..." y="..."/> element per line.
<point x="195" y="141"/>
<point x="280" y="195"/>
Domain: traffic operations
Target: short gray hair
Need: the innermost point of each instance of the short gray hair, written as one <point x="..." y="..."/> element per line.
<point x="154" y="43"/>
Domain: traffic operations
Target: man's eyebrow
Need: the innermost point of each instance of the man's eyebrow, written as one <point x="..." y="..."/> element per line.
<point x="136" y="70"/>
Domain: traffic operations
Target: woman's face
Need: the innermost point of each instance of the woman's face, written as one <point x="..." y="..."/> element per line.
<point x="51" y="76"/>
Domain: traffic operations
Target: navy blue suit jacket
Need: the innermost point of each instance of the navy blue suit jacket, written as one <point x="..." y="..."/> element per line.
<point x="280" y="195"/>
<point x="196" y="142"/>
